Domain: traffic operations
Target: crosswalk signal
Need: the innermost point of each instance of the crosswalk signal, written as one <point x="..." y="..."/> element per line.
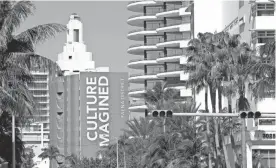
<point x="250" y="114"/>
<point x="162" y="113"/>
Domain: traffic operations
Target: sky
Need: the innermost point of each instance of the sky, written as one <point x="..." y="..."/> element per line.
<point x="105" y="28"/>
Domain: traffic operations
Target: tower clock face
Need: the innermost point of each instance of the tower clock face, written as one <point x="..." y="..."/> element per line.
<point x="60" y="159"/>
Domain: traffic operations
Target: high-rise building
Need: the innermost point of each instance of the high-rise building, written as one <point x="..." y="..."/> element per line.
<point x="88" y="105"/>
<point x="165" y="28"/>
<point x="255" y="21"/>
<point x="36" y="135"/>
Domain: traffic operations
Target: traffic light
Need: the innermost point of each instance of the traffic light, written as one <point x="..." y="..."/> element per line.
<point x="162" y="113"/>
<point x="250" y="114"/>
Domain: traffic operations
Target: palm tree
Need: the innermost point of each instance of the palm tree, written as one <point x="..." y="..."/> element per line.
<point x="6" y="139"/>
<point x="263" y="72"/>
<point x="17" y="52"/>
<point x="199" y="67"/>
<point x="51" y="153"/>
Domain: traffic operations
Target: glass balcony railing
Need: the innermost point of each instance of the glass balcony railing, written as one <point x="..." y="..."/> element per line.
<point x="175" y="24"/>
<point x="141" y="59"/>
<point x="139" y="45"/>
<point x="143" y="14"/>
<point x="143" y="74"/>
<point x="138" y="30"/>
<point x="171" y="54"/>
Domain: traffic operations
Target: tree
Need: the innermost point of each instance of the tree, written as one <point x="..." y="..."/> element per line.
<point x="6" y="140"/>
<point x="199" y="66"/>
<point x="17" y="52"/>
<point x="28" y="158"/>
<point x="51" y="153"/>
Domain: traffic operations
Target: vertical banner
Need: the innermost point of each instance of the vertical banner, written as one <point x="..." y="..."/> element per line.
<point x="103" y="109"/>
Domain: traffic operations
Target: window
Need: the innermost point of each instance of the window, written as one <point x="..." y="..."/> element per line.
<point x="265" y="9"/>
<point x="152" y="40"/>
<point x="70" y="57"/>
<point x="264" y="36"/>
<point x="241" y="28"/>
<point x="174" y="36"/>
<point x="153" y="10"/>
<point x="150" y="25"/>
<point x="268" y="157"/>
<point x="154" y="69"/>
<point x="241" y="3"/>
<point x="76" y="35"/>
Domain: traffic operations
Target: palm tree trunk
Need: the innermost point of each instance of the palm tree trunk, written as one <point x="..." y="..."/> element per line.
<point x="222" y="136"/>
<point x="225" y="154"/>
<point x="124" y="159"/>
<point x="208" y="124"/>
<point x="213" y="102"/>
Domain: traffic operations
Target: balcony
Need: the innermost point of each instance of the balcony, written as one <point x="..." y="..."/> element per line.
<point x="265" y="22"/>
<point x="138" y="20"/>
<point x="140" y="63"/>
<point x="174" y="57"/>
<point x="141" y="77"/>
<point x="137" y="107"/>
<point x="170" y="12"/>
<point x="138" y="34"/>
<point x="178" y="42"/>
<point x="137" y="92"/>
<point x="175" y="27"/>
<point x="176" y="72"/>
<point x="138" y="49"/>
<point x="138" y="6"/>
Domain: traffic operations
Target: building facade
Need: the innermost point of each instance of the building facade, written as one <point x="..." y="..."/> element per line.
<point x="165" y="28"/>
<point x="88" y="105"/>
<point x="37" y="135"/>
<point x="255" y="21"/>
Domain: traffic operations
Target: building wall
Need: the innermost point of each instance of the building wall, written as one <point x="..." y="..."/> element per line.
<point x="252" y="24"/>
<point x="70" y="120"/>
<point x="36" y="135"/>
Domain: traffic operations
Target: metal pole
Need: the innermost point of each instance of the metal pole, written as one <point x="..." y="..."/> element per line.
<point x="218" y="115"/>
<point x="117" y="152"/>
<point x="244" y="154"/>
<point x="13" y="141"/>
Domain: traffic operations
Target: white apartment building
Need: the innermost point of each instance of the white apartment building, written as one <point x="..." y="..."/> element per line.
<point x="37" y="134"/>
<point x="255" y="21"/>
<point x="165" y="28"/>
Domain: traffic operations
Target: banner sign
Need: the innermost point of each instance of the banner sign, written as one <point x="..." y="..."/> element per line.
<point x="104" y="109"/>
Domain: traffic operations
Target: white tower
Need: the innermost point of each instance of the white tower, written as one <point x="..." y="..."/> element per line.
<point x="75" y="58"/>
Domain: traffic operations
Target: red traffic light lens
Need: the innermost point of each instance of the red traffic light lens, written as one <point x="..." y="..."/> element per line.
<point x="162" y="114"/>
<point x="257" y="114"/>
<point x="155" y="113"/>
<point x="243" y="114"/>
<point x="169" y="113"/>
